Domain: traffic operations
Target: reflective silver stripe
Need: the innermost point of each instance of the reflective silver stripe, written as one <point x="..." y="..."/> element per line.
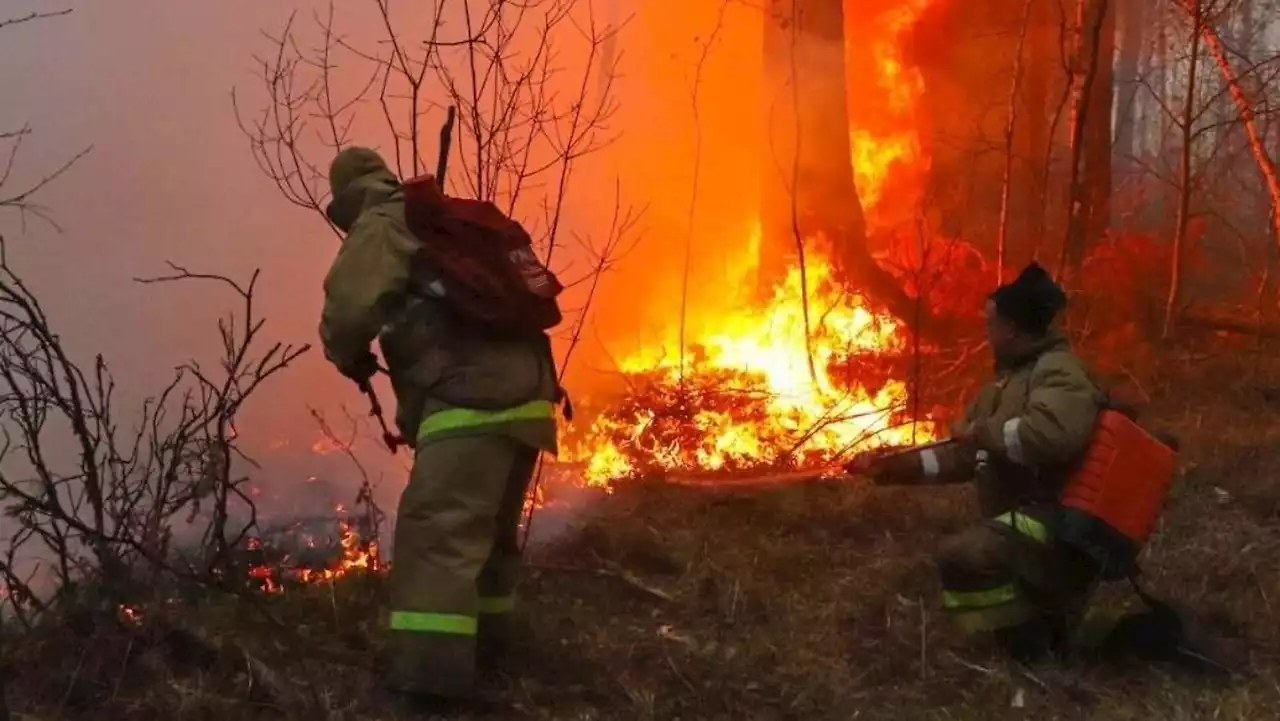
<point x="929" y="463"/>
<point x="436" y="288"/>
<point x="1012" y="441"/>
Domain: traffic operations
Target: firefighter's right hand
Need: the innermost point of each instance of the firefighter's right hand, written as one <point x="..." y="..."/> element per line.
<point x="885" y="469"/>
<point x="362" y="369"/>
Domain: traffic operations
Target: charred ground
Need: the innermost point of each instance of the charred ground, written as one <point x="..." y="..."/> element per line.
<point x="802" y="601"/>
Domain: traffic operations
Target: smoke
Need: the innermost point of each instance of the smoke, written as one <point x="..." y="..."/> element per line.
<point x="171" y="177"/>
<point x="564" y="504"/>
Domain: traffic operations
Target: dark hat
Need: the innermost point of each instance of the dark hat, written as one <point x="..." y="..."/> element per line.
<point x="1031" y="301"/>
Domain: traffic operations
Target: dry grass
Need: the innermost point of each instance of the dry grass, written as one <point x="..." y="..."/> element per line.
<point x="812" y="601"/>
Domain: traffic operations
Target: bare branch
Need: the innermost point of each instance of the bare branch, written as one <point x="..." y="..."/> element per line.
<point x="33" y="16"/>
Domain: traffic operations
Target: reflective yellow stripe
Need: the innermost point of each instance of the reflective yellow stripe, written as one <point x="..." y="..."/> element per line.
<point x="980" y="599"/>
<point x="1005" y="615"/>
<point x="497" y="604"/>
<point x="433" y="623"/>
<point x="455" y="418"/>
<point x="1024" y="524"/>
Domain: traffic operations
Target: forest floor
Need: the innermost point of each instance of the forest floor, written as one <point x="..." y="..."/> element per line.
<point x="802" y="601"/>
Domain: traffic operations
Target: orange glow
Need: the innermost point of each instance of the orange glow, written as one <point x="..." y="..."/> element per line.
<point x="798" y="404"/>
<point x="325" y="445"/>
<point x="763" y="350"/>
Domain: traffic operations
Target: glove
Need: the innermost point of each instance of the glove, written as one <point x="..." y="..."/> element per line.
<point x="861" y="464"/>
<point x="889" y="469"/>
<point x="361" y="369"/>
<point x="875" y="465"/>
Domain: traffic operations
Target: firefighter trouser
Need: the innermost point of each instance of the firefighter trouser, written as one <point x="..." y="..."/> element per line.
<point x="456" y="559"/>
<point x="1007" y="571"/>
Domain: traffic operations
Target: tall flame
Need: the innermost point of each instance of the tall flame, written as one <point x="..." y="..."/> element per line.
<point x="789" y="397"/>
<point x="899" y="85"/>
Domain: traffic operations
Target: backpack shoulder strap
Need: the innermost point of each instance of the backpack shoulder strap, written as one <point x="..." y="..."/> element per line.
<point x="1100" y="387"/>
<point x="1055" y="353"/>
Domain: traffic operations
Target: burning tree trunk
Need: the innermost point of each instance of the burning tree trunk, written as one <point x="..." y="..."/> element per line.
<point x="808" y="166"/>
<point x="1087" y="125"/>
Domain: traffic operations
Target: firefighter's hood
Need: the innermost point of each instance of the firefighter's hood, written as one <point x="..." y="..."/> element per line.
<point x="358" y="179"/>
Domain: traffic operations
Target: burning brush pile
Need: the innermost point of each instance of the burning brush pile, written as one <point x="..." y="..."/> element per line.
<point x="318" y="549"/>
<point x="755" y="392"/>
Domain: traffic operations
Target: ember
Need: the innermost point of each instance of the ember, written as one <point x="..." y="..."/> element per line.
<point x="129" y="615"/>
<point x="356" y="551"/>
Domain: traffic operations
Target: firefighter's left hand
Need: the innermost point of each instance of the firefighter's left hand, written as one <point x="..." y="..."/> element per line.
<point x="873" y="465"/>
<point x="962" y="431"/>
<point x="863" y="464"/>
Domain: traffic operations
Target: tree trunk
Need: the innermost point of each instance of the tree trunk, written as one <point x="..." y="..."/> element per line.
<point x="1229" y="319"/>
<point x="1132" y="17"/>
<point x="1158" y="74"/>
<point x="1257" y="146"/>
<point x="1248" y="27"/>
<point x="1097" y="136"/>
<point x="1041" y="59"/>
<point x="4" y="696"/>
<point x="1184" y="175"/>
<point x="810" y="194"/>
<point x="1010" y="128"/>
<point x="1091" y="25"/>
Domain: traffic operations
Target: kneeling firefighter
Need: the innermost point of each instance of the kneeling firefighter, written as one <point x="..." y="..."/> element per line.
<point x="1063" y="511"/>
<point x="476" y="404"/>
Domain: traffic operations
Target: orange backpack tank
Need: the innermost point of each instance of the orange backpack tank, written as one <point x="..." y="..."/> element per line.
<point x="1113" y="497"/>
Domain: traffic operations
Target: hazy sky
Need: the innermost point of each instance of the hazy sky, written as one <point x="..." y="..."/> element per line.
<point x="148" y="84"/>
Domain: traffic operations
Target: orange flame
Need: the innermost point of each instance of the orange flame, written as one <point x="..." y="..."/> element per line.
<point x="877" y="155"/>
<point x="358" y="555"/>
<point x="811" y="413"/>
<point x="763" y="352"/>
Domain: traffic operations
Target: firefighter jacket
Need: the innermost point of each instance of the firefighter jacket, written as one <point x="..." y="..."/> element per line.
<point x="450" y="380"/>
<point x="1029" y="425"/>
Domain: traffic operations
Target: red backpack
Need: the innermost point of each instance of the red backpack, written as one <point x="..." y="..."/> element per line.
<point x="482" y="263"/>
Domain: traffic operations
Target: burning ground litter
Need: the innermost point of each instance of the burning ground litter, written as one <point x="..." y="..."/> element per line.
<point x="760" y="389"/>
<point x="315" y="550"/>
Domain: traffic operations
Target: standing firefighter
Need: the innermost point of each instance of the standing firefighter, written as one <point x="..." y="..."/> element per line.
<point x="1018" y="441"/>
<point x="475" y="393"/>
